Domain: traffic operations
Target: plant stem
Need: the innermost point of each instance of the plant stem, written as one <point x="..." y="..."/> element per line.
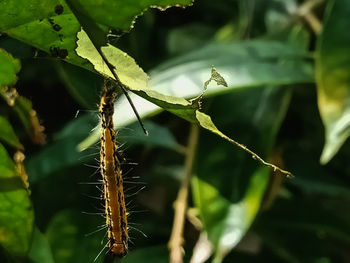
<point x="180" y="204"/>
<point x="305" y="11"/>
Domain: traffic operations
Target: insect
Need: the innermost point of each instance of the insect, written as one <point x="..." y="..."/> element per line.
<point x="115" y="210"/>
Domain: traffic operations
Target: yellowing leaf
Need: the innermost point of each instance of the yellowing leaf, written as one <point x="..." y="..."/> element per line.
<point x="333" y="77"/>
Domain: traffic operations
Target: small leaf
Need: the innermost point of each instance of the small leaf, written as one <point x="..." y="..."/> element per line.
<point x="333" y="77"/>
<point x="216" y="77"/>
<point x="9" y="67"/>
<point x="8" y="135"/>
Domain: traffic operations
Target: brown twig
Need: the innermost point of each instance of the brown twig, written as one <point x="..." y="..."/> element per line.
<point x="257" y="157"/>
<point x="305" y="11"/>
<point x="180" y="204"/>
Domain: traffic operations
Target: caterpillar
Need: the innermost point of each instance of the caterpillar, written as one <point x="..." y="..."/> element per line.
<point x="115" y="210"/>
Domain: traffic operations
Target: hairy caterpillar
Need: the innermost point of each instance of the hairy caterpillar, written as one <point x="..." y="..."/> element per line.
<point x="115" y="210"/>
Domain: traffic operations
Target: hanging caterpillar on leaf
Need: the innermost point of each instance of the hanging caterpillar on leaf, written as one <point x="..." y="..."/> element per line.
<point x="115" y="210"/>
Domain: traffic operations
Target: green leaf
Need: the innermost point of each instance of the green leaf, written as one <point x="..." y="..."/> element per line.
<point x="333" y="77"/>
<point x="244" y="64"/>
<point x="9" y="67"/>
<point x="227" y="222"/>
<point x="131" y="76"/>
<point x="36" y="23"/>
<point x="8" y="135"/>
<point x="103" y="12"/>
<point x="16" y="212"/>
<point x="220" y="81"/>
<point x="51" y="26"/>
<point x="40" y="250"/>
<point x="229" y="196"/>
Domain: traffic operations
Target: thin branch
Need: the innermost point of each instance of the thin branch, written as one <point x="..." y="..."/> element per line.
<point x="257" y="157"/>
<point x="180" y="205"/>
<point x="305" y="11"/>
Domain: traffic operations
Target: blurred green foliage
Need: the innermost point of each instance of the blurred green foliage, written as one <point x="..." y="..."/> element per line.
<point x="287" y="96"/>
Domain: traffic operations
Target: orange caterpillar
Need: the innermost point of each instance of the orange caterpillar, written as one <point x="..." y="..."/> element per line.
<point x="115" y="210"/>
